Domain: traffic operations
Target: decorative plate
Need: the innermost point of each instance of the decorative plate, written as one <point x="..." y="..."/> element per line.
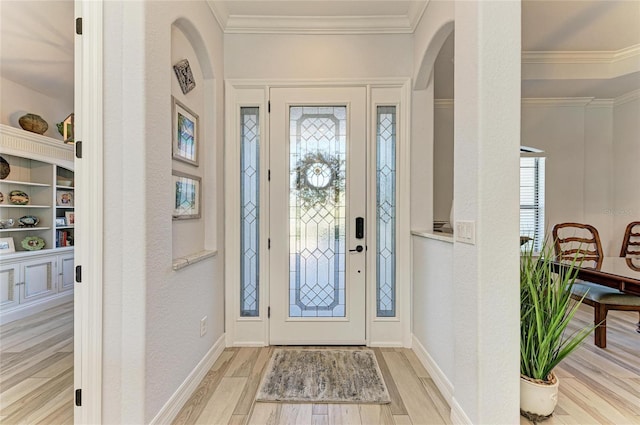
<point x="18" y="197"/>
<point x="28" y="221"/>
<point x="33" y="243"/>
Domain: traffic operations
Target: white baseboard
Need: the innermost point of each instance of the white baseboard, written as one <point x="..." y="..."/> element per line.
<point x="34" y="307"/>
<point x="438" y="376"/>
<point x="385" y="344"/>
<point x="458" y="416"/>
<point x="172" y="407"/>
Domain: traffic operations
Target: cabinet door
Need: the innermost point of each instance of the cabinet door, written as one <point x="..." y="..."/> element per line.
<point x="65" y="272"/>
<point x="38" y="279"/>
<point x="9" y="279"/>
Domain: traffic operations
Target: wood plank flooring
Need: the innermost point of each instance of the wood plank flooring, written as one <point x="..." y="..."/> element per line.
<point x="600" y="386"/>
<point x="36" y="368"/>
<point x="36" y="382"/>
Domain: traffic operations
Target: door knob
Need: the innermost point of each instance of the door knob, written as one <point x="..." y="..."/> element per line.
<point x="359" y="248"/>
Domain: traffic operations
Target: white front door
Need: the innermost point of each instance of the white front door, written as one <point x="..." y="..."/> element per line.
<point x="317" y="215"/>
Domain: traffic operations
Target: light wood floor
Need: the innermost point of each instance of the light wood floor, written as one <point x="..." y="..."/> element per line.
<point x="601" y="386"/>
<point x="36" y="368"/>
<point x="36" y="382"/>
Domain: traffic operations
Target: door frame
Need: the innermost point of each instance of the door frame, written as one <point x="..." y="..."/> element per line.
<point x="87" y="299"/>
<point x="254" y="331"/>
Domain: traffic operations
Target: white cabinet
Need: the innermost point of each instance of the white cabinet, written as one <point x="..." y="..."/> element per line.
<point x="40" y="273"/>
<point x="66" y="273"/>
<point x="9" y="280"/>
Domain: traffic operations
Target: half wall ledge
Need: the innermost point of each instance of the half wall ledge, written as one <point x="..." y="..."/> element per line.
<point x="182" y="262"/>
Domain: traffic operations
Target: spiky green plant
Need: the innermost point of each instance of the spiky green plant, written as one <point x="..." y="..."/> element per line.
<point x="546" y="308"/>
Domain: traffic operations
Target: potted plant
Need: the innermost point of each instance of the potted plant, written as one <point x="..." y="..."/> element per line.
<point x="546" y="308"/>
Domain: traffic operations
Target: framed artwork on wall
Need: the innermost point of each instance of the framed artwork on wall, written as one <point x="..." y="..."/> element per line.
<point x="69" y="218"/>
<point x="187" y="194"/>
<point x="7" y="246"/>
<point x="185" y="76"/>
<point x="185" y="134"/>
<point x="64" y="198"/>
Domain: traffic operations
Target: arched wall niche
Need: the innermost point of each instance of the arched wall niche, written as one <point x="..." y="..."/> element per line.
<point x="196" y="41"/>
<point x="425" y="71"/>
<point x="190" y="237"/>
<point x="423" y="122"/>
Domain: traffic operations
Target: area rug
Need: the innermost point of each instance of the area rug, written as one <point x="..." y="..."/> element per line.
<point x="323" y="376"/>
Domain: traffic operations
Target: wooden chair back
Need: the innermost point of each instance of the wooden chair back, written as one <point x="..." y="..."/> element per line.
<point x="577" y="240"/>
<point x="631" y="240"/>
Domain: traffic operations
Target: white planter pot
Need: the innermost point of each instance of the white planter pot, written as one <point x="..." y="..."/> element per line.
<point x="537" y="400"/>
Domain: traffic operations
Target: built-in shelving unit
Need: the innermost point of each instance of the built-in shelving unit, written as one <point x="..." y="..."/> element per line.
<point x="42" y="168"/>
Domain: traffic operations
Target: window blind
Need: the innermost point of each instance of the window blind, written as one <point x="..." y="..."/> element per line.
<point x="532" y="199"/>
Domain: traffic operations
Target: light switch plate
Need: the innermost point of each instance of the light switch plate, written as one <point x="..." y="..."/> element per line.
<point x="465" y="232"/>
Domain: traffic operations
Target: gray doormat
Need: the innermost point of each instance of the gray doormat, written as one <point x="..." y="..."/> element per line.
<point x="323" y="376"/>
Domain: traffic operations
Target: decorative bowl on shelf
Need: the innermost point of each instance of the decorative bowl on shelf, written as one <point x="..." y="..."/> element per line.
<point x="18" y="197"/>
<point x="33" y="243"/>
<point x="6" y="223"/>
<point x="5" y="169"/>
<point x="33" y="123"/>
<point x="28" y="221"/>
<point x="62" y="182"/>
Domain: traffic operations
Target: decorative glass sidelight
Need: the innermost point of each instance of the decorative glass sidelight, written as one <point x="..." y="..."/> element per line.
<point x="317" y="209"/>
<point x="386" y="212"/>
<point x="249" y="210"/>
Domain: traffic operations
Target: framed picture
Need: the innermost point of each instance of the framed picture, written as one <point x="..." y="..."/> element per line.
<point x="7" y="246"/>
<point x="186" y="196"/>
<point x="61" y="221"/>
<point x="185" y="76"/>
<point x="185" y="134"/>
<point x="69" y="218"/>
<point x="64" y="198"/>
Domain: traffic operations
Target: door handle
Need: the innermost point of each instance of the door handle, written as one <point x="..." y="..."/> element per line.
<point x="359" y="248"/>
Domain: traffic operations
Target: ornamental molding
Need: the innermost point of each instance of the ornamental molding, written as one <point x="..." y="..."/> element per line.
<point x="365" y="24"/>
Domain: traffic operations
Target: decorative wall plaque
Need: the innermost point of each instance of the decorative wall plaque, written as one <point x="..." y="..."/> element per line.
<point x="185" y="76"/>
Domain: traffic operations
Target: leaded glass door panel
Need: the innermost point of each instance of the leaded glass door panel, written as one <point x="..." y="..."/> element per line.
<point x="318" y="189"/>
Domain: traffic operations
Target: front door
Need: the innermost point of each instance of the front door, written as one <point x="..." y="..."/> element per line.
<point x="317" y="215"/>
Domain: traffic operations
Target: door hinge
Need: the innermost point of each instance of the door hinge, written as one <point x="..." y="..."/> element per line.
<point x="269" y="106"/>
<point x="269" y="243"/>
<point x="78" y="274"/>
<point x="269" y="312"/>
<point x="78" y="149"/>
<point x="78" y="397"/>
<point x="269" y="175"/>
<point x="79" y="26"/>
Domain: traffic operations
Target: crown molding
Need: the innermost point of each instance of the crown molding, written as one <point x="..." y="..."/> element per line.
<point x="626" y="98"/>
<point x="601" y="103"/>
<point x="557" y="101"/>
<point x="220" y="12"/>
<point x="443" y="103"/>
<point x="365" y="24"/>
<point x="246" y="24"/>
<point x="580" y="57"/>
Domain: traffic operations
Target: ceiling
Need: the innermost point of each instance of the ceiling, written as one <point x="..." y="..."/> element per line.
<point x="36" y="47"/>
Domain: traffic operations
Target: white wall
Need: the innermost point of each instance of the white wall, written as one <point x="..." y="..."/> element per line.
<point x="17" y="100"/>
<point x="286" y="56"/>
<point x="151" y="313"/>
<point x="577" y="137"/>
<point x="626" y="154"/>
<point x="558" y="128"/>
<point x="433" y="300"/>
<point x="480" y="293"/>
<point x="442" y="160"/>
<point x="598" y="173"/>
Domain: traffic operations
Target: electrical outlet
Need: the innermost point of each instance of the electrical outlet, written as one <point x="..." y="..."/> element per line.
<point x="465" y="232"/>
<point x="203" y="326"/>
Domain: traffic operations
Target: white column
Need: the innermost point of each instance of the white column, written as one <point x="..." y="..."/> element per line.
<point x="486" y="175"/>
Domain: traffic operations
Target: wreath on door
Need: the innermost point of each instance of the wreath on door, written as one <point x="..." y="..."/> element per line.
<point x="318" y="179"/>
